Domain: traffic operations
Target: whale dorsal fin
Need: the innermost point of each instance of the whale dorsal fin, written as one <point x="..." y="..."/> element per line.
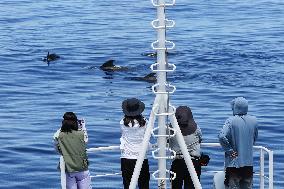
<point x="108" y="63"/>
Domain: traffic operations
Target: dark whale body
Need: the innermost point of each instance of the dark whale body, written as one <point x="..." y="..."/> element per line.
<point x="151" y="78"/>
<point x="153" y="54"/>
<point x="109" y="66"/>
<point x="50" y="57"/>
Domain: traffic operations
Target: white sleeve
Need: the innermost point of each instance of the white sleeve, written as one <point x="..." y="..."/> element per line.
<point x="55" y="141"/>
<point x="56" y="134"/>
<point x="84" y="129"/>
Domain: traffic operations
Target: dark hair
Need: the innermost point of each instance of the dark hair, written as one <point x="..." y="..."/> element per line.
<point x="70" y="122"/>
<point x="130" y="119"/>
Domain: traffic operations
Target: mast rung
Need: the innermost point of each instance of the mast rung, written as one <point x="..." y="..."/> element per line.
<point x="172" y="112"/>
<point x="169" y="89"/>
<point x="155" y="3"/>
<point x="154" y="68"/>
<point x="168" y="135"/>
<point x="164" y="157"/>
<point x="168" y="24"/>
<point x="160" y="178"/>
<point x="154" y="45"/>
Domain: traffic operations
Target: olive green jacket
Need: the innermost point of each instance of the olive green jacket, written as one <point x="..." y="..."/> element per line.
<point x="73" y="148"/>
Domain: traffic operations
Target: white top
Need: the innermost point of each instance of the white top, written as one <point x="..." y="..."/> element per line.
<point x="131" y="139"/>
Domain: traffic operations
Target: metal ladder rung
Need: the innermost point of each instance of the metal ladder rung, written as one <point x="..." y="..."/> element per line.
<point x="155" y="4"/>
<point x="154" y="109"/>
<point x="159" y="178"/>
<point x="153" y="45"/>
<point x="168" y="24"/>
<point x="169" y="135"/>
<point x="154" y="68"/>
<point x="170" y="89"/>
<point x="164" y="157"/>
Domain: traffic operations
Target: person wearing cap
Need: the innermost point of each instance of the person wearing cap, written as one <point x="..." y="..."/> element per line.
<point x="133" y="127"/>
<point x="71" y="144"/>
<point x="192" y="136"/>
<point x="237" y="138"/>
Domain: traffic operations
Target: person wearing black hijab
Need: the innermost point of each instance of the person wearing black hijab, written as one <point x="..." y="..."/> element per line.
<point x="192" y="136"/>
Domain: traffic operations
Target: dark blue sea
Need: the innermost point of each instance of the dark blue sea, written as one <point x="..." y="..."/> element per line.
<point x="224" y="49"/>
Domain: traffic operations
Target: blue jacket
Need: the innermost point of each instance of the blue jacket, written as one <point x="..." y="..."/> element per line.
<point x="239" y="134"/>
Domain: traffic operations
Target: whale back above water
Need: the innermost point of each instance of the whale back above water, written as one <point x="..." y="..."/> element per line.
<point x="50" y="57"/>
<point x="151" y="78"/>
<point x="110" y="66"/>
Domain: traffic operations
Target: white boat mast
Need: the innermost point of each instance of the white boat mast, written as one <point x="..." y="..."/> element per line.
<point x="162" y="110"/>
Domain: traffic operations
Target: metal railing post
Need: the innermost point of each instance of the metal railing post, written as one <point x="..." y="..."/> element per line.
<point x="62" y="173"/>
<point x="261" y="174"/>
<point x="270" y="169"/>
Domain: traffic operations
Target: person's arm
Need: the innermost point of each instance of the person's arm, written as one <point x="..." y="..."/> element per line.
<point x="150" y="145"/>
<point x="84" y="129"/>
<point x="255" y="134"/>
<point x="224" y="137"/>
<point x="55" y="141"/>
<point x="56" y="146"/>
<point x="199" y="134"/>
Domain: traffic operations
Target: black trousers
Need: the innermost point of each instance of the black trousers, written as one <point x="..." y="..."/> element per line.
<point x="240" y="177"/>
<point x="182" y="174"/>
<point x="127" y="168"/>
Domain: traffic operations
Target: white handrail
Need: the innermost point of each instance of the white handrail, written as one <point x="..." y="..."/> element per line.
<point x="261" y="174"/>
<point x="103" y="148"/>
<point x="260" y="148"/>
<point x="207" y="144"/>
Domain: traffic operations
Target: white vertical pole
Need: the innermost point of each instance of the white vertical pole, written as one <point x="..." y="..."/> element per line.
<point x="261" y="169"/>
<point x="62" y="172"/>
<point x="270" y="169"/>
<point x="162" y="163"/>
<point x="161" y="79"/>
<point x="185" y="153"/>
<point x="144" y="147"/>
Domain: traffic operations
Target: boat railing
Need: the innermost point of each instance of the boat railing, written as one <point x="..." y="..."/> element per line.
<point x="265" y="177"/>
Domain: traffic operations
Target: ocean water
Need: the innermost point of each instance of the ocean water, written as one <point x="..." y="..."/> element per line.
<point x="224" y="49"/>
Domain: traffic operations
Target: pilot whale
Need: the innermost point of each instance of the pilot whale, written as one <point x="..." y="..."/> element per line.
<point x="151" y="78"/>
<point x="150" y="54"/>
<point x="109" y="66"/>
<point x="153" y="54"/>
<point x="50" y="57"/>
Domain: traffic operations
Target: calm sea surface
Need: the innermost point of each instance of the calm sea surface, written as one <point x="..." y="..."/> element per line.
<point x="223" y="49"/>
